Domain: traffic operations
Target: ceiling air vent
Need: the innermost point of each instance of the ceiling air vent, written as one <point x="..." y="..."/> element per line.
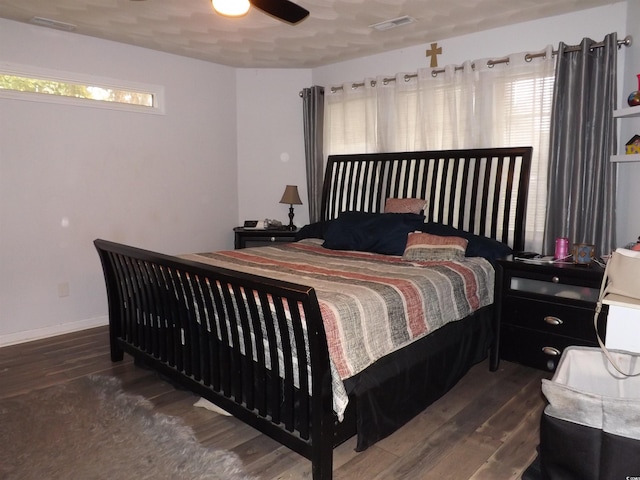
<point x="396" y="22"/>
<point x="47" y="22"/>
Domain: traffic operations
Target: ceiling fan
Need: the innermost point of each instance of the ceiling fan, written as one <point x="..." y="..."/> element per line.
<point x="281" y="9"/>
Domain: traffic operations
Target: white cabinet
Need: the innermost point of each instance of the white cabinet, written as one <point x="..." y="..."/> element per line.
<point x="623" y="332"/>
<point x="622" y="114"/>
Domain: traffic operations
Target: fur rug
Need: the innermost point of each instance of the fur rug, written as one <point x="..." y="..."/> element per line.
<point x="91" y="429"/>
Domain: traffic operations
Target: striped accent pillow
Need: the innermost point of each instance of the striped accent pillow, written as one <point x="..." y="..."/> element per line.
<point x="405" y="205"/>
<point x="426" y="247"/>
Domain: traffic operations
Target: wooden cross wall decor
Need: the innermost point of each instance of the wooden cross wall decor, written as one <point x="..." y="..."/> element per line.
<point x="433" y="52"/>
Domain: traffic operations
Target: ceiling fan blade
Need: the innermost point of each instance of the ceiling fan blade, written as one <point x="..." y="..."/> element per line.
<point x="282" y="9"/>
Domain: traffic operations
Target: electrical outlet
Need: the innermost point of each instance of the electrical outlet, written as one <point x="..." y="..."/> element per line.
<point x="63" y="289"/>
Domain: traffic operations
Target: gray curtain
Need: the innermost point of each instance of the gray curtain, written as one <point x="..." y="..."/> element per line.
<point x="313" y="111"/>
<point x="582" y="180"/>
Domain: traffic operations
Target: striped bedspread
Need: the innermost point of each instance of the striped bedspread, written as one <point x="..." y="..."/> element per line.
<point x="371" y="304"/>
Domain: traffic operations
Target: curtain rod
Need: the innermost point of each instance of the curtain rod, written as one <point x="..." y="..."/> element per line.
<point x="490" y="63"/>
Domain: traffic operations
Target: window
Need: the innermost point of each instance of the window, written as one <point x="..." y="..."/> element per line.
<point x="498" y="105"/>
<point x="38" y="85"/>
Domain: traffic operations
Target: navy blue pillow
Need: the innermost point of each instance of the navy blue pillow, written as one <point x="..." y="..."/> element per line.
<point x="313" y="230"/>
<point x="478" y="245"/>
<point x="384" y="233"/>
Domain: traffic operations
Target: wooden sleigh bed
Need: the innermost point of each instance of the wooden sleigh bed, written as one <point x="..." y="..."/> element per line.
<point x="257" y="346"/>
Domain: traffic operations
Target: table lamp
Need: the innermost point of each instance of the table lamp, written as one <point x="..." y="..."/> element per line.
<point x="291" y="197"/>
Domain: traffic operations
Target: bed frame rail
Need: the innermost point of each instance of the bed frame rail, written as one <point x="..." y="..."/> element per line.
<point x="483" y="191"/>
<point x="218" y="333"/>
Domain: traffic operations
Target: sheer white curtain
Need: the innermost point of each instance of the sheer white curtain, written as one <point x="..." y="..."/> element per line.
<point x="480" y="104"/>
<point x="350" y="119"/>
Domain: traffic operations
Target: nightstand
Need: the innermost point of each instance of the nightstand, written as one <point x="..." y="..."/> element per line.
<point x="247" y="237"/>
<point x="544" y="308"/>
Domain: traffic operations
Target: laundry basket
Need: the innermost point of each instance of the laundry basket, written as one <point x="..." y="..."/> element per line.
<point x="590" y="428"/>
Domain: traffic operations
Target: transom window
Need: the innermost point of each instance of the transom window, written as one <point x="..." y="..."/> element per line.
<point x="29" y="84"/>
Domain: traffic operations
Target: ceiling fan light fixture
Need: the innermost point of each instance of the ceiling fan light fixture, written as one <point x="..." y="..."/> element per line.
<point x="231" y="8"/>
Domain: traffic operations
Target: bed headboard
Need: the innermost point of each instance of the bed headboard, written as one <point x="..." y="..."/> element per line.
<point x="483" y="191"/>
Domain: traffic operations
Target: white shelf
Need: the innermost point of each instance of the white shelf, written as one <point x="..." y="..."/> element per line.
<point x="620" y="114"/>
<point x="625" y="158"/>
<point x="627" y="112"/>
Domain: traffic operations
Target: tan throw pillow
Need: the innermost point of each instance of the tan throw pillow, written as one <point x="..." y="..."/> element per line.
<point x="426" y="247"/>
<point x="405" y="205"/>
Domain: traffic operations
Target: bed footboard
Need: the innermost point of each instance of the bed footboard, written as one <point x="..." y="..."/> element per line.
<point x="254" y="346"/>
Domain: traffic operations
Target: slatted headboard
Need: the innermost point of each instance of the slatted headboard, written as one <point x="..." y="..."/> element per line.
<point x="483" y="191"/>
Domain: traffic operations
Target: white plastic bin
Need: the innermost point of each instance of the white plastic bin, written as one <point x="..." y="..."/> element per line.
<point x="591" y="427"/>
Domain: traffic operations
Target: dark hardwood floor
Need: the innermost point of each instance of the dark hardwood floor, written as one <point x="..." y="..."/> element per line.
<point x="485" y="428"/>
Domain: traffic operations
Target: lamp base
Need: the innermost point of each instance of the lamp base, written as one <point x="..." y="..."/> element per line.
<point x="291" y="227"/>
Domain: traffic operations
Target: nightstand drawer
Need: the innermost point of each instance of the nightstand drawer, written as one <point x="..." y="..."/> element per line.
<point x="551" y="318"/>
<point x="555" y="286"/>
<point x="262" y="240"/>
<point x="536" y="349"/>
<point x="245" y="238"/>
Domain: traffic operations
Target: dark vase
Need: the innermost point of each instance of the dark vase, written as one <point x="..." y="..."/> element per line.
<point x="634" y="98"/>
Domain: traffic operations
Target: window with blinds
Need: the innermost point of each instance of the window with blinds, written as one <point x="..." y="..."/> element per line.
<point x="504" y="106"/>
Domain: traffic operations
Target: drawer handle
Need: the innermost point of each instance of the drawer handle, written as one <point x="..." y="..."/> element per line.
<point x="555" y="280"/>
<point x="552" y="320"/>
<point x="554" y="352"/>
<point x="273" y="239"/>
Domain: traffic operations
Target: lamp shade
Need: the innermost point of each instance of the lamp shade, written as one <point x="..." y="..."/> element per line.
<point x="291" y="196"/>
<point x="231" y="8"/>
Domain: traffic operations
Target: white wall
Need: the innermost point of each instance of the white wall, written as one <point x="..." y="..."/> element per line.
<point x="163" y="182"/>
<point x="531" y="36"/>
<point x="271" y="143"/>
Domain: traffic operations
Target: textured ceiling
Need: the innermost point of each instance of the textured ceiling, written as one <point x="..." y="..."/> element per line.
<point x="336" y="30"/>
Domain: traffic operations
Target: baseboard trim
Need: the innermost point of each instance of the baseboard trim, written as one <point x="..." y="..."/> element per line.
<point x="52" y="331"/>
